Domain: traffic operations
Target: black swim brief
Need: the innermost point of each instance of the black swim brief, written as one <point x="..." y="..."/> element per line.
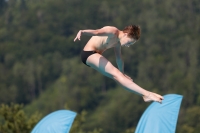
<point x="85" y="55"/>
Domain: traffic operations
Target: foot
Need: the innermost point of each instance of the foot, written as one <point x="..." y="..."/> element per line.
<point x="153" y="97"/>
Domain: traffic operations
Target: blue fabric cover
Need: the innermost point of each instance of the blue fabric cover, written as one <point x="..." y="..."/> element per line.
<point x="56" y="122"/>
<point x="161" y="118"/>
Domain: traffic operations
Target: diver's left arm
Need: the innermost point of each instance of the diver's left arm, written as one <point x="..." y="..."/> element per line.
<point x="119" y="61"/>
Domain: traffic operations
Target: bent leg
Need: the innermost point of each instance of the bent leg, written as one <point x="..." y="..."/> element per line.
<point x="101" y="64"/>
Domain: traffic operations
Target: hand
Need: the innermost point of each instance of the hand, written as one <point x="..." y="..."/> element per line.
<point x="78" y="36"/>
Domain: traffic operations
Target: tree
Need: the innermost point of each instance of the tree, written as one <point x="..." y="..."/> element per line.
<point x="14" y="120"/>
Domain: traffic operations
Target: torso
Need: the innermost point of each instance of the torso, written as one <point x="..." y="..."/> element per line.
<point x="101" y="43"/>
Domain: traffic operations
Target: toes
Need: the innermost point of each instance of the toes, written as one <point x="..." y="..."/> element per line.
<point x="153" y="97"/>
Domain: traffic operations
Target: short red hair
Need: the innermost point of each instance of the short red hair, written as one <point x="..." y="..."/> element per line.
<point x="133" y="31"/>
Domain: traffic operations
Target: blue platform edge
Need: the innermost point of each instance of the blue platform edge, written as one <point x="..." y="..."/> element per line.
<point x="57" y="122"/>
<point x="161" y="118"/>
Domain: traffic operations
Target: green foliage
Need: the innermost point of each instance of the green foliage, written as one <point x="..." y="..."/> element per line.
<point x="190" y="120"/>
<point x="131" y="130"/>
<point x="78" y="123"/>
<point x="14" y="120"/>
<point x="39" y="63"/>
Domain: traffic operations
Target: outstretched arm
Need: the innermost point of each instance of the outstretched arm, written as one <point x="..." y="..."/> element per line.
<point x="105" y="31"/>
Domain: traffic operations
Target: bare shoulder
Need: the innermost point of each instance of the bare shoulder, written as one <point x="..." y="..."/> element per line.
<point x="111" y="29"/>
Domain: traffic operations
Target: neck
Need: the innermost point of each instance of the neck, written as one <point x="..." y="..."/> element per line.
<point x="120" y="35"/>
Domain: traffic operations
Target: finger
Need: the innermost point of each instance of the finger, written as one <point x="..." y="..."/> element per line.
<point x="75" y="39"/>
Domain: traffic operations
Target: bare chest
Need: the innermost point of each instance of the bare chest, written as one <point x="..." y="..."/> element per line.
<point x="101" y="43"/>
<point x="108" y="42"/>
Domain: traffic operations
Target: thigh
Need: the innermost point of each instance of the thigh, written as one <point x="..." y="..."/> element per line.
<point x="101" y="64"/>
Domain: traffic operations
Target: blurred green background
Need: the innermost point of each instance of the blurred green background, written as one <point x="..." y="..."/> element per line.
<point x="41" y="70"/>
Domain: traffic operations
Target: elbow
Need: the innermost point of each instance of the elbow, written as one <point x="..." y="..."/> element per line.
<point x="96" y="32"/>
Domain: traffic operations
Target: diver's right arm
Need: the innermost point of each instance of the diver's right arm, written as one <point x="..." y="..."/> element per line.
<point x="105" y="31"/>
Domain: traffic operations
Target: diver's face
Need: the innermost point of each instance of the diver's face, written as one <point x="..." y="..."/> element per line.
<point x="127" y="41"/>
